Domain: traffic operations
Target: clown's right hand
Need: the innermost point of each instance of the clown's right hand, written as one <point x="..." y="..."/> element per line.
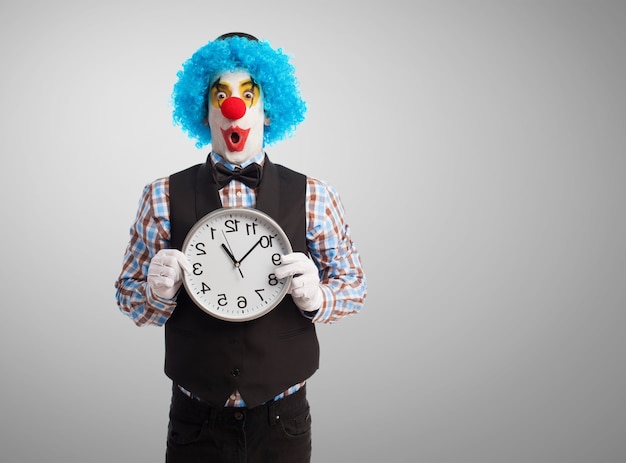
<point x="165" y="273"/>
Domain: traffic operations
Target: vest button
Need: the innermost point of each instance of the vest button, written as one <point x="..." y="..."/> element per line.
<point x="235" y="372"/>
<point x="238" y="416"/>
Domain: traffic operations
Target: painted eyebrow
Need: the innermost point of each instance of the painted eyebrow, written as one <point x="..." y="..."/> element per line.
<point x="219" y="85"/>
<point x="250" y="82"/>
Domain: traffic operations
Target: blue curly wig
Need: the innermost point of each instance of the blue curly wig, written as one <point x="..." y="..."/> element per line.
<point x="269" y="68"/>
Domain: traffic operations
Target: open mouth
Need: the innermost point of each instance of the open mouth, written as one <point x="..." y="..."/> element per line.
<point x="235" y="138"/>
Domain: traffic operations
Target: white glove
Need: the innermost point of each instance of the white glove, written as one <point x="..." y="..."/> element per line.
<point x="165" y="272"/>
<point x="305" y="284"/>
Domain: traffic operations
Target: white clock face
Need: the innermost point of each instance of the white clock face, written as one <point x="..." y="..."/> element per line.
<point x="234" y="253"/>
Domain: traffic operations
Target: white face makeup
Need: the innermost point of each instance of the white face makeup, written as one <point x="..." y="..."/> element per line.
<point x="236" y="117"/>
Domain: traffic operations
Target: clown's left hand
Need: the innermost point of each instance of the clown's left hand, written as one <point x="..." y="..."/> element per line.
<point x="305" y="284"/>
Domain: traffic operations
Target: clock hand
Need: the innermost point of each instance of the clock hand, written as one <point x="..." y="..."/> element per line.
<point x="230" y="249"/>
<point x="249" y="251"/>
<point x="230" y="254"/>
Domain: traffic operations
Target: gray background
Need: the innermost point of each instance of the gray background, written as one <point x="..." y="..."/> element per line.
<point x="479" y="150"/>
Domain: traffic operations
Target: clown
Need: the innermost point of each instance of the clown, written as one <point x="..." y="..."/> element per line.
<point x="239" y="389"/>
<point x="236" y="116"/>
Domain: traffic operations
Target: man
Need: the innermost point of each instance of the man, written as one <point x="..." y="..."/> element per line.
<point x="240" y="95"/>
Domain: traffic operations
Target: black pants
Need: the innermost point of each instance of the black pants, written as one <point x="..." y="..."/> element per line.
<point x="276" y="432"/>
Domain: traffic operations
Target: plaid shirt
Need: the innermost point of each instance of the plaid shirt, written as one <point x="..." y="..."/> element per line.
<point x="328" y="238"/>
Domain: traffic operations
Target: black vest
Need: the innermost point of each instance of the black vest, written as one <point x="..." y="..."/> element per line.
<point x="261" y="358"/>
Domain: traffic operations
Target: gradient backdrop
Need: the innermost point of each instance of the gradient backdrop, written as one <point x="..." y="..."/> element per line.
<point x="479" y="148"/>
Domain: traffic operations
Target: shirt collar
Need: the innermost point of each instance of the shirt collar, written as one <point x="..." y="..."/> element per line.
<point x="259" y="158"/>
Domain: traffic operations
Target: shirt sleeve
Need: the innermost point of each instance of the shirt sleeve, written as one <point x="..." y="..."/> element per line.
<point x="330" y="244"/>
<point x="149" y="233"/>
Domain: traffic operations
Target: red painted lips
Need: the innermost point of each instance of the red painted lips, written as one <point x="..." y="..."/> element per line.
<point x="235" y="138"/>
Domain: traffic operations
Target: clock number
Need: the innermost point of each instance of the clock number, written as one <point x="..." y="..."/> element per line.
<point x="200" y="248"/>
<point x="251" y="228"/>
<point x="197" y="268"/>
<point x="258" y="293"/>
<point x="272" y="280"/>
<point x="221" y="301"/>
<point x="205" y="288"/>
<point x="276" y="259"/>
<point x="241" y="302"/>
<point x="266" y="241"/>
<point x="232" y="225"/>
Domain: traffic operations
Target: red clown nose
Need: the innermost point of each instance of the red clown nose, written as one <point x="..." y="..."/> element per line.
<point x="233" y="108"/>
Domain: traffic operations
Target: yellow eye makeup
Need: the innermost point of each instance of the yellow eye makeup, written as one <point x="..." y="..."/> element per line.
<point x="219" y="92"/>
<point x="247" y="90"/>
